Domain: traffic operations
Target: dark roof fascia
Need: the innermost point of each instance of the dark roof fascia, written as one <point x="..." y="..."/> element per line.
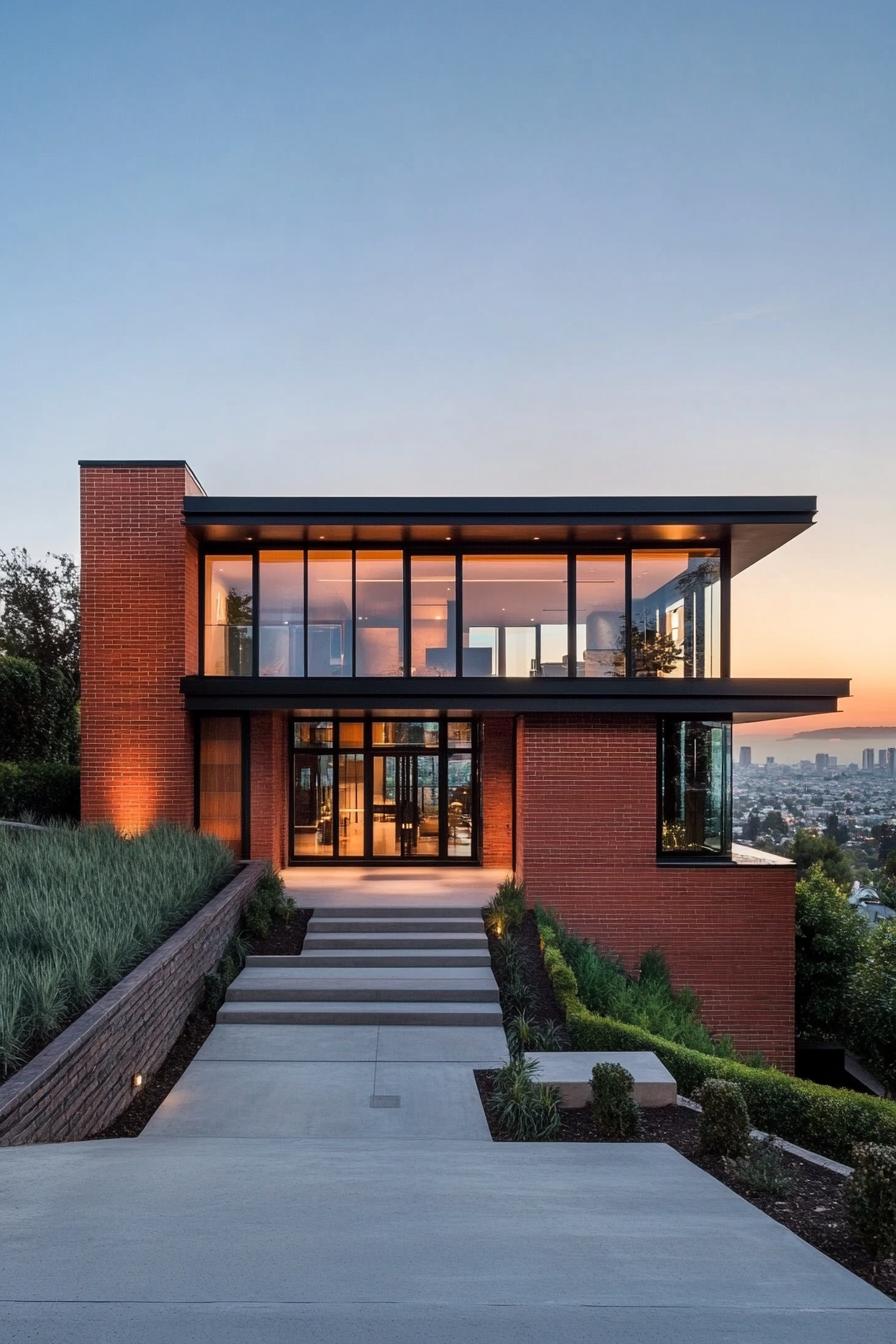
<point x="774" y="697"/>
<point x="722" y="510"/>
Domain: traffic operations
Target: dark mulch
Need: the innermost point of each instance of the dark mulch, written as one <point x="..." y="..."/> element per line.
<point x="814" y="1207"/>
<point x="542" y="1004"/>
<point x="284" y="939"/>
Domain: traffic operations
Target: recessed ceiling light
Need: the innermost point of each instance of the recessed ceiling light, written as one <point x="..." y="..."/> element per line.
<point x="702" y="536"/>
<point x="619" y="538"/>
<point x="321" y="537"/>
<point x="536" y="538"/>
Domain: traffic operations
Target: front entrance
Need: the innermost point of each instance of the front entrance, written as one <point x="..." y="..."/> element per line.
<point x="384" y="790"/>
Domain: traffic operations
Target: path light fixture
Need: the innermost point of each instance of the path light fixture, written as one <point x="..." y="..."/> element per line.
<point x="137" y="1081"/>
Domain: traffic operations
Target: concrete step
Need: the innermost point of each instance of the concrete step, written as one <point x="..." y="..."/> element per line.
<point x="391" y="1013"/>
<point x="454" y="942"/>
<point x="415" y="924"/>
<point x="397" y="912"/>
<point x="375" y="957"/>
<point x="415" y="992"/>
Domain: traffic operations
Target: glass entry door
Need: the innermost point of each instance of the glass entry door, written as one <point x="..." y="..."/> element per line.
<point x="406" y="814"/>
<point x="384" y="789"/>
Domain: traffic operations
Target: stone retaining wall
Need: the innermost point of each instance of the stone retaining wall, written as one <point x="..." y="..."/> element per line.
<point x="83" y="1079"/>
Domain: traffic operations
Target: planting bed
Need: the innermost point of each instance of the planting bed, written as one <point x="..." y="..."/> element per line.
<point x="284" y="939"/>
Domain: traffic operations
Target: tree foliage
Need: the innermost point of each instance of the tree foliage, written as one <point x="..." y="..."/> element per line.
<point x="830" y="939"/>
<point x="872" y="1004"/>
<point x="39" y="657"/>
<point x="808" y="849"/>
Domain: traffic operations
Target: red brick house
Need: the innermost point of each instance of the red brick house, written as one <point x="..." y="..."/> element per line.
<point x="541" y="685"/>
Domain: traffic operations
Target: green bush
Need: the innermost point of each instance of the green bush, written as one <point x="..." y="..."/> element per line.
<point x="524" y="1033"/>
<point x="872" y="1004"/>
<point x="725" y="1123"/>
<point x="523" y="1109"/>
<point x="871" y="1199"/>
<point x="506" y="908"/>
<point x="615" y="1111"/>
<point x="38" y="720"/>
<point x="762" y="1169"/>
<point x="830" y="936"/>
<point x="228" y="968"/>
<point x="267" y="905"/>
<point x="43" y="790"/>
<point x="79" y="908"/>
<point x="648" y="1002"/>
<point x="825" y="1119"/>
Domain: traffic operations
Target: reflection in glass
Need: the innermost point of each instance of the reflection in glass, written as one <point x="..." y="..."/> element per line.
<point x="228" y="616"/>
<point x="379" y="614"/>
<point x="351" y="803"/>
<point x="281" y="618"/>
<point x="313" y="732"/>
<point x="460" y="733"/>
<point x="313" y="804"/>
<point x="600" y="616"/>
<point x="515" y="616"/>
<point x="695" y="773"/>
<point x="460" y="805"/>
<point x="329" y="614"/>
<point x="675" y="613"/>
<point x="433" y="617"/>
<point x="406" y="732"/>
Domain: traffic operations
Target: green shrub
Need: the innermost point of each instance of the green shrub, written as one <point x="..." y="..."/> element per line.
<point x="762" y="1169"/>
<point x="872" y="1004"/>
<point x="228" y="968"/>
<point x="830" y="936"/>
<point x="825" y="1119"/>
<point x="615" y="1111"/>
<point x="523" y="1109"/>
<point x="871" y="1199"/>
<point x="267" y="905"/>
<point x="654" y="970"/>
<point x="725" y="1123"/>
<point x="38" y="720"/>
<point x="81" y="907"/>
<point x="524" y="1033"/>
<point x="506" y="908"/>
<point x="40" y="790"/>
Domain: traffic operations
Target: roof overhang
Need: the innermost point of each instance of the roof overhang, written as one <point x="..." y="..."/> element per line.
<point x="746" y="700"/>
<point x="754" y="525"/>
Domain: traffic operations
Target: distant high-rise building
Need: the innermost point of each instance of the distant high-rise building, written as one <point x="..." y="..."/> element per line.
<point x="746" y="756"/>
<point x="769" y="760"/>
<point x="891" y="760"/>
<point x="882" y="758"/>
<point x="867" y="758"/>
<point x="822" y="760"/>
<point x="832" y="762"/>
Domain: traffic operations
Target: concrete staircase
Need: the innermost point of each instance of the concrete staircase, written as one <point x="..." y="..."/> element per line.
<point x="383" y="967"/>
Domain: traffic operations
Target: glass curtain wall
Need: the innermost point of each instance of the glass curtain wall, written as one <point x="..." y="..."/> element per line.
<point x="433" y="616"/>
<point x="330" y="614"/>
<point x="379" y="613"/>
<point x="676" y="616"/>
<point x="228" y="616"/>
<point x="600" y="616"/>
<point x="515" y="616"/>
<point x="695" y="788"/>
<point x="281" y="614"/>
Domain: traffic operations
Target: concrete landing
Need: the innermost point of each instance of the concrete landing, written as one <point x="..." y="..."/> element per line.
<point x="570" y="1072"/>
<point x="223" y="1240"/>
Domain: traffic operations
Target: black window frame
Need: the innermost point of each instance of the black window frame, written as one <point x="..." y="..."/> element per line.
<point x="684" y="857"/>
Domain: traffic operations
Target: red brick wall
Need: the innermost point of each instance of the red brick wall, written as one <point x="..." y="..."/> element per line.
<point x="497" y="791"/>
<point x="586" y="847"/>
<point x="268" y="788"/>
<point x="139" y="636"/>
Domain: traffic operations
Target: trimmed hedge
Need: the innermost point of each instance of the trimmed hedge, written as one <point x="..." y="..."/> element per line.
<point x="824" y="1119"/>
<point x="43" y="789"/>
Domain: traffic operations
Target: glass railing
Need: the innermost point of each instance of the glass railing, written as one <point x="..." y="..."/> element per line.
<point x="228" y="651"/>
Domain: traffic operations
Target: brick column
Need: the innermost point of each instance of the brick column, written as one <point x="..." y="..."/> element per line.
<point x="268" y="788"/>
<point x="139" y="636"/>
<point x="496" y="773"/>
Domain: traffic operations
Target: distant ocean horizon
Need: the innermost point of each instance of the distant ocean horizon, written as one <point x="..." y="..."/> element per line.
<point x="847" y="744"/>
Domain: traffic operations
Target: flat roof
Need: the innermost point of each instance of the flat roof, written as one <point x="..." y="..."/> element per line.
<point x="755" y="525"/>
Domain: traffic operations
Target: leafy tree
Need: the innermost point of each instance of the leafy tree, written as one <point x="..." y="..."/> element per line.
<point x="887" y="843"/>
<point x="872" y="1004"/>
<point x="808" y="849"/>
<point x="774" y="823"/>
<point x="830" y="938"/>
<point x="753" y="826"/>
<point x="39" y="638"/>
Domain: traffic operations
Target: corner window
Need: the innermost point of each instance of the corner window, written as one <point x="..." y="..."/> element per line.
<point x="228" y="616"/>
<point x="676" y="622"/>
<point x="695" y="788"/>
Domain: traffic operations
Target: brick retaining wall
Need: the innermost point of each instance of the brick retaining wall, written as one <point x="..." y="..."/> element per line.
<point x="82" y="1080"/>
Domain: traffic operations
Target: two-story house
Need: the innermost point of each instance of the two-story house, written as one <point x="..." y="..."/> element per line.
<point x="537" y="685"/>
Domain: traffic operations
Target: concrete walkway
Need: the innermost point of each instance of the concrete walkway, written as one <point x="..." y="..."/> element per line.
<point x="215" y="1241"/>
<point x="371" y="886"/>
<point x="373" y="1032"/>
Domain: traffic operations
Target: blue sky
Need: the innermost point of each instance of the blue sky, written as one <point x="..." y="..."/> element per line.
<point x="493" y="247"/>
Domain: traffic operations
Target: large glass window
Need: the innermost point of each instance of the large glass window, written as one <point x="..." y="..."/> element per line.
<point x="433" y="616"/>
<point x="313" y="803"/>
<point x="379" y="613"/>
<point x="228" y="616"/>
<point x="330" y="614"/>
<point x="221" y="779"/>
<point x="676" y="628"/>
<point x="281" y="614"/>
<point x="600" y="616"/>
<point x="515" y="615"/>
<point x="695" y="787"/>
